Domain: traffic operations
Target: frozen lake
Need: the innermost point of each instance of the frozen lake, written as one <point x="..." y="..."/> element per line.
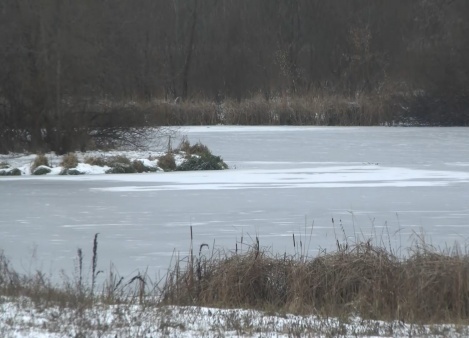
<point x="374" y="181"/>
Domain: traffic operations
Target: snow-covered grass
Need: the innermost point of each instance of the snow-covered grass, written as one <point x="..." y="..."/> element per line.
<point x="21" y="319"/>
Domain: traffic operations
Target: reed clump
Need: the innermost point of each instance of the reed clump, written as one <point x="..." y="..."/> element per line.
<point x="316" y="108"/>
<point x="167" y="162"/>
<point x="427" y="286"/>
<point x="39" y="160"/>
<point x="69" y="161"/>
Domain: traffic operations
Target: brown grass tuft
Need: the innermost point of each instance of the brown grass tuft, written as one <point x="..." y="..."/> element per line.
<point x="360" y="279"/>
<point x="139" y="166"/>
<point x="39" y="160"/>
<point x="69" y="161"/>
<point x="167" y="162"/>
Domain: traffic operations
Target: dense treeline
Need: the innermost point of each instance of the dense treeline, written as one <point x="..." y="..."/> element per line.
<point x="70" y="67"/>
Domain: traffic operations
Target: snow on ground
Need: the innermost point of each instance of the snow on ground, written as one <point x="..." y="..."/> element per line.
<point x="22" y="319"/>
<point x="24" y="161"/>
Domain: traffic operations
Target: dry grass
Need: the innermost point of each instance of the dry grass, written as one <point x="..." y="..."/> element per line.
<point x="69" y="161"/>
<point x="167" y="162"/>
<point x="361" y="279"/>
<point x="139" y="166"/>
<point x="76" y="292"/>
<point x="426" y="286"/>
<point x="39" y="160"/>
<point x="39" y="289"/>
<point x="315" y="108"/>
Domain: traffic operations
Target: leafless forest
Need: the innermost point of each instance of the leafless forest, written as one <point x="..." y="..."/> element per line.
<point x="74" y="71"/>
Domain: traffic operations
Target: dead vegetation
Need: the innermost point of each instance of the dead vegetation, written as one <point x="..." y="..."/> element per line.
<point x="314" y="109"/>
<point x="69" y="161"/>
<point x="425" y="286"/>
<point x="39" y="160"/>
<point x="167" y="162"/>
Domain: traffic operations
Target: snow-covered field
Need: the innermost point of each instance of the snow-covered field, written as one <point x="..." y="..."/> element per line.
<point x="23" y="320"/>
<point x="374" y="182"/>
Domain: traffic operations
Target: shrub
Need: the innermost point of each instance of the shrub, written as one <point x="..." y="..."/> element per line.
<point x="69" y="160"/>
<point x="120" y="165"/>
<point x="167" y="162"/>
<point x="4" y="165"/>
<point x="40" y="160"/>
<point x="71" y="172"/>
<point x="41" y="170"/>
<point x="200" y="149"/>
<point x="12" y="172"/>
<point x="204" y="162"/>
<point x="74" y="172"/>
<point x="140" y="167"/>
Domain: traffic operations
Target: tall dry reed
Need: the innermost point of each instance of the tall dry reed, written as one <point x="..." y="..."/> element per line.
<point x="357" y="279"/>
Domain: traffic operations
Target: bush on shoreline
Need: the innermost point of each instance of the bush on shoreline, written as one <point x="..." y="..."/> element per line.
<point x="199" y="157"/>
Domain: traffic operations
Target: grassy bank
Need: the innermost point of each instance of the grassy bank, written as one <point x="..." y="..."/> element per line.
<point x="427" y="286"/>
<point x="359" y="286"/>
